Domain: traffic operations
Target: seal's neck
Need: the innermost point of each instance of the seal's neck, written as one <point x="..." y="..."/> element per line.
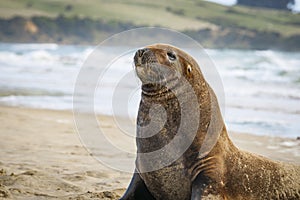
<point x="164" y="92"/>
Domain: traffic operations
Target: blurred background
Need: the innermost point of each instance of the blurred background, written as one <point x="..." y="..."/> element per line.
<point x="242" y="24"/>
<point x="254" y="44"/>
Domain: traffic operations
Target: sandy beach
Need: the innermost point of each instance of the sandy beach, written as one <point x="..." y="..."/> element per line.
<point x="42" y="157"/>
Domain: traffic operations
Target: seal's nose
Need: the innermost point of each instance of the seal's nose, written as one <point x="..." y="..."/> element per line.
<point x="138" y="56"/>
<point x="141" y="52"/>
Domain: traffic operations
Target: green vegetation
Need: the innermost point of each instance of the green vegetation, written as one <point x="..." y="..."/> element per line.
<point x="191" y="16"/>
<point x="176" y="14"/>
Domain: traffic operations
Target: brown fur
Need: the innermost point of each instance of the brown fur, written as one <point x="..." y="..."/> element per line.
<point x="231" y="173"/>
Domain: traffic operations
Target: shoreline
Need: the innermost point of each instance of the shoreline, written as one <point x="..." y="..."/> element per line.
<point x="42" y="156"/>
<point x="233" y="47"/>
<point x="39" y="29"/>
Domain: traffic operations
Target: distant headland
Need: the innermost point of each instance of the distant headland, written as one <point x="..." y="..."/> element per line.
<point x="213" y="25"/>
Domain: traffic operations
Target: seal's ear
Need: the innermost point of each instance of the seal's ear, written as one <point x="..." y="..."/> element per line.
<point x="189" y="69"/>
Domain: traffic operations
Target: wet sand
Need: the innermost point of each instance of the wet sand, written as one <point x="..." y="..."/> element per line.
<point x="42" y="157"/>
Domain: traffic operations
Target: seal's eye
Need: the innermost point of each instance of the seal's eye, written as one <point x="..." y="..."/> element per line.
<point x="171" y="56"/>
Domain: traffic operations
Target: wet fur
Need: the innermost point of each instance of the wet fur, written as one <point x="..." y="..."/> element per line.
<point x="226" y="172"/>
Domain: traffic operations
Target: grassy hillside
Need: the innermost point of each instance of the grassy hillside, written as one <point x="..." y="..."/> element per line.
<point x="176" y="14"/>
<point x="214" y="25"/>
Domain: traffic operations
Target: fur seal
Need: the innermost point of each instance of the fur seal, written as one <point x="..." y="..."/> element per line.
<point x="225" y="172"/>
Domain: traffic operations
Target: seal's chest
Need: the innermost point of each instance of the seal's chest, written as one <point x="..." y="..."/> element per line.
<point x="168" y="183"/>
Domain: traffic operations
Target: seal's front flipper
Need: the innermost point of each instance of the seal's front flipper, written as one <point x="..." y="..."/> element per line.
<point x="137" y="190"/>
<point x="198" y="187"/>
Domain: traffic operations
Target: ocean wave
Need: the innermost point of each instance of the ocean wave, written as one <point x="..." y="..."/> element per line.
<point x="258" y="66"/>
<point x="261" y="88"/>
<point x="45" y="102"/>
<point x="28" y="46"/>
<point x="37" y="56"/>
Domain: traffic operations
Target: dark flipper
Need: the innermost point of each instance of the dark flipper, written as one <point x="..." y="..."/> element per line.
<point x="198" y="187"/>
<point x="137" y="190"/>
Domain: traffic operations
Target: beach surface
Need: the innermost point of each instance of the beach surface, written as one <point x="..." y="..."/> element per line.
<point x="42" y="157"/>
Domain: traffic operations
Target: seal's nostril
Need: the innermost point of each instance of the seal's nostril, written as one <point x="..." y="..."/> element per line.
<point x="140" y="52"/>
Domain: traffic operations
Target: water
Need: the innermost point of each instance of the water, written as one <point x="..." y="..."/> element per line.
<point x="262" y="88"/>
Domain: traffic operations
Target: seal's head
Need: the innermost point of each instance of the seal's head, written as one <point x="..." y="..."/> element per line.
<point x="160" y="64"/>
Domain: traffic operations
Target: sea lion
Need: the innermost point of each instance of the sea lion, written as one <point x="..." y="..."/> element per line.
<point x="225" y="172"/>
